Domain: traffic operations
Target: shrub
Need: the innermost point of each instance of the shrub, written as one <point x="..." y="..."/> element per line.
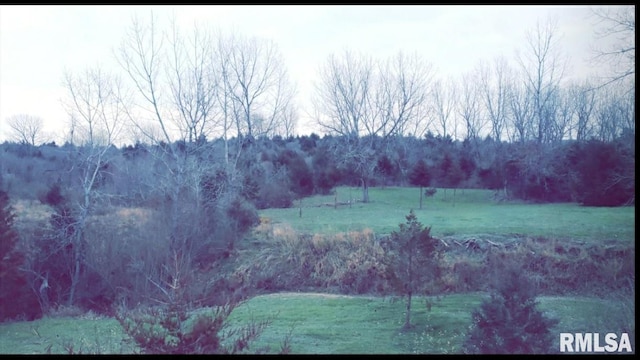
<point x="352" y="262"/>
<point x="173" y="330"/>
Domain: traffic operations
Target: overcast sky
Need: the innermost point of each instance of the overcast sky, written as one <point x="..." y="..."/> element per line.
<point x="38" y="42"/>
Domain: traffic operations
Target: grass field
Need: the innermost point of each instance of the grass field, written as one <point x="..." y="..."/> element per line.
<point x="63" y="335"/>
<point x="322" y="324"/>
<point x="472" y="212"/>
<point x="361" y="325"/>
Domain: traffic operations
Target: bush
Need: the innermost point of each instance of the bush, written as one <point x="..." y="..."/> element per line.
<point x="604" y="174"/>
<point x="173" y="330"/>
<point x="508" y="322"/>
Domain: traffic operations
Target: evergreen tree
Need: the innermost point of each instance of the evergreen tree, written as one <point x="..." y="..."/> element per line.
<point x="508" y="322"/>
<point x="419" y="176"/>
<point x="417" y="257"/>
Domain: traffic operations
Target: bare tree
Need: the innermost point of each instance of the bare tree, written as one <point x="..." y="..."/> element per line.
<point x="543" y="69"/>
<point x="193" y="84"/>
<point x="229" y="110"/>
<point x="361" y="99"/>
<point x="494" y="86"/>
<point x="258" y="84"/>
<point x="560" y="109"/>
<point x="520" y="107"/>
<point x="142" y="56"/>
<point x="617" y="29"/>
<point x="26" y="129"/>
<point x="469" y="106"/>
<point x="343" y="96"/>
<point x="344" y="105"/>
<point x="443" y="95"/>
<point x="202" y="84"/>
<point x="583" y="100"/>
<point x="401" y="94"/>
<point x="175" y="96"/>
<point x="289" y="122"/>
<point x="95" y="105"/>
<point x="614" y="112"/>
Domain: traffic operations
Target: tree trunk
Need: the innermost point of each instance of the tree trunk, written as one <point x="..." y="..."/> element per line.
<point x="505" y="190"/>
<point x="454" y="196"/>
<point x="407" y="322"/>
<point x="76" y="243"/>
<point x="77" y="257"/>
<point x="365" y="191"/>
<point x="420" y="197"/>
<point x="76" y="275"/>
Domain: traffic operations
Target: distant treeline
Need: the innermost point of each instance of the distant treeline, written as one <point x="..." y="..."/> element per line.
<point x="274" y="172"/>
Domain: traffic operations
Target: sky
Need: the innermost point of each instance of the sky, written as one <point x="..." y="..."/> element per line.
<point x="37" y="43"/>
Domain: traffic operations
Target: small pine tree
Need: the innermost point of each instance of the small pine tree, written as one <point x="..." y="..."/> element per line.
<point x="508" y="322"/>
<point x="172" y="329"/>
<point x="417" y="257"/>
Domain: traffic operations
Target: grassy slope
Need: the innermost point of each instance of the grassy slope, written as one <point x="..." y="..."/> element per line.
<point x="323" y="324"/>
<point x="472" y="213"/>
<point x="334" y="325"/>
<point x="88" y="336"/>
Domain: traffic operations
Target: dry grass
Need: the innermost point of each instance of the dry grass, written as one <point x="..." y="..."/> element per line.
<point x="31" y="211"/>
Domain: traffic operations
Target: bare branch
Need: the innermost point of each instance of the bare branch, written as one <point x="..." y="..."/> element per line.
<point x="617" y="31"/>
<point x="26" y="129"/>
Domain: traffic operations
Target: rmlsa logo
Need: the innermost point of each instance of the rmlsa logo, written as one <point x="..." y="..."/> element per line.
<point x="591" y="342"/>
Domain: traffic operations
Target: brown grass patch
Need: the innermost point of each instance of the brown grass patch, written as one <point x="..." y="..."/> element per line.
<point x="31" y="211"/>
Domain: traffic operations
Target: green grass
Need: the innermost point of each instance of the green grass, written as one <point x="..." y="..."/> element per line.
<point x="472" y="212"/>
<point x="326" y="324"/>
<point x="51" y="335"/>
<point x="362" y="325"/>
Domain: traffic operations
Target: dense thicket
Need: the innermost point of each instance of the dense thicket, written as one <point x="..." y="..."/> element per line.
<point x="16" y="298"/>
<point x="275" y="172"/>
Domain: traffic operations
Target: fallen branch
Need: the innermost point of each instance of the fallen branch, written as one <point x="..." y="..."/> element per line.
<point x="492" y="243"/>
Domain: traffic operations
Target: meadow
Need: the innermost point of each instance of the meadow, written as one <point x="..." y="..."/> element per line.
<point x="315" y="323"/>
<point x="471" y="211"/>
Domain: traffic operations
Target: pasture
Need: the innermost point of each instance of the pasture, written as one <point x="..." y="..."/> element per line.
<point x="470" y="212"/>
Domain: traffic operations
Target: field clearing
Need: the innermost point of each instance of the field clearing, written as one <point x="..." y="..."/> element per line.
<point x="472" y="212"/>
